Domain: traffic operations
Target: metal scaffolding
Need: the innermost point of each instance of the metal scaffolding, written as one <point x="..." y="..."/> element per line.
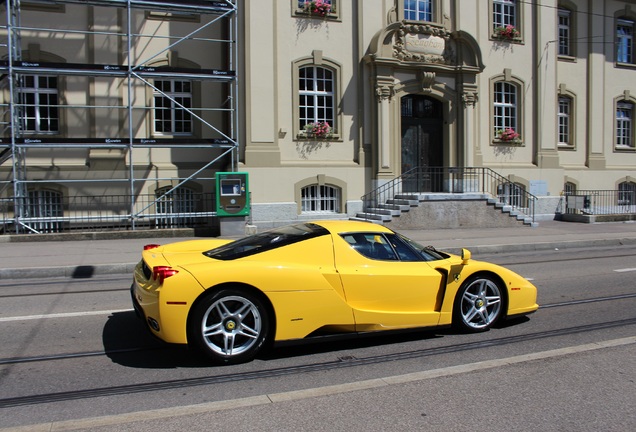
<point x="208" y="23"/>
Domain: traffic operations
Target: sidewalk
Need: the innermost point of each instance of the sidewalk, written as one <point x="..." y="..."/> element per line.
<point x="85" y="258"/>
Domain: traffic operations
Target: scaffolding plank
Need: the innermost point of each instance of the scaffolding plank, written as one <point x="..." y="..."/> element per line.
<point x="118" y="142"/>
<point x="116" y="70"/>
<point x="201" y="6"/>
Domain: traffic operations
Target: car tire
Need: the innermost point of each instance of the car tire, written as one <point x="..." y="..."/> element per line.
<point x="478" y="305"/>
<point x="230" y="326"/>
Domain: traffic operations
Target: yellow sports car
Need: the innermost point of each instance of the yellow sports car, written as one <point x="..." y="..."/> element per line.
<point x="232" y="298"/>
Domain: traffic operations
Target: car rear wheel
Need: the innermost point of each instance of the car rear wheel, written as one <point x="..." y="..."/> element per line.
<point x="230" y="326"/>
<point x="478" y="305"/>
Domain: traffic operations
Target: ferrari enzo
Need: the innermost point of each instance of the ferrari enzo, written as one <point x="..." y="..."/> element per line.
<point x="230" y="299"/>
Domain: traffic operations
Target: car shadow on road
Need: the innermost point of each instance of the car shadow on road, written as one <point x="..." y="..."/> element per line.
<point x="129" y="343"/>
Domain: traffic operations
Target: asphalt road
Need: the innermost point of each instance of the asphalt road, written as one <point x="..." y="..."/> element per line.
<point x="74" y="357"/>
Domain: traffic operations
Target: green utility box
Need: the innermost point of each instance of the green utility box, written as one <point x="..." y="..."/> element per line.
<point x="232" y="194"/>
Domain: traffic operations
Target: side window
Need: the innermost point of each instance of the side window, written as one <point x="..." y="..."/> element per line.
<point x="371" y="245"/>
<point x="404" y="251"/>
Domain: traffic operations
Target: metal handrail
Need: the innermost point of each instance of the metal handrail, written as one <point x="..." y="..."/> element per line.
<point x="451" y="180"/>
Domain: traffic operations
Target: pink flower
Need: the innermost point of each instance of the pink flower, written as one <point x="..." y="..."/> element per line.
<point x="318" y="7"/>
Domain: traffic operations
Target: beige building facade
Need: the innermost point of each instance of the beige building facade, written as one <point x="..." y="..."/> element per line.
<point x="563" y="80"/>
<point x="318" y="102"/>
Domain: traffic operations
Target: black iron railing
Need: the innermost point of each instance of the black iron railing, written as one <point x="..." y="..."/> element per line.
<point x="450" y="180"/>
<point x="54" y="214"/>
<point x="601" y="202"/>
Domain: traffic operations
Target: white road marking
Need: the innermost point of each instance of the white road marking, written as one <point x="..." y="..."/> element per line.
<point x="275" y="398"/>
<point x="625" y="270"/>
<point x="62" y="315"/>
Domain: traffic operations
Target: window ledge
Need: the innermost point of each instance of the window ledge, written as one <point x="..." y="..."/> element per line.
<point x="500" y="142"/>
<point x="625" y="148"/>
<point x="625" y="65"/>
<point x="567" y="58"/>
<point x="565" y="147"/>
<point x="308" y="15"/>
<point x="309" y="137"/>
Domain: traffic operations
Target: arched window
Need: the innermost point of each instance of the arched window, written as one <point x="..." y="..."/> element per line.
<point x="625" y="125"/>
<point x="506" y="112"/>
<point x="44" y="204"/>
<point x="320" y="199"/>
<point x="317" y="88"/>
<point x="569" y="188"/>
<point x="177" y="207"/>
<point x="627" y="193"/>
<point x="316" y="96"/>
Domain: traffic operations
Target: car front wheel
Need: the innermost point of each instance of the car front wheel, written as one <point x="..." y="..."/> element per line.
<point x="478" y="304"/>
<point x="230" y="326"/>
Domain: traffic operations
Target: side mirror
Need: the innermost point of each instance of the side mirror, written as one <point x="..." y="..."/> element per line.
<point x="465" y="256"/>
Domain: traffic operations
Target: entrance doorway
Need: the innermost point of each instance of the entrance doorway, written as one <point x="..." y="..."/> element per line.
<point x="422" y="144"/>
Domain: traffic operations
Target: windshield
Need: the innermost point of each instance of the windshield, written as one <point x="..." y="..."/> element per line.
<point x="267" y="240"/>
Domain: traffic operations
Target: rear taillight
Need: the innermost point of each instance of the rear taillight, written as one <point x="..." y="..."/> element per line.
<point x="151" y="246"/>
<point x="160" y="273"/>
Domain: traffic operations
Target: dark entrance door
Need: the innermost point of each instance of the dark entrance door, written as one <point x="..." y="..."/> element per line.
<point x="422" y="143"/>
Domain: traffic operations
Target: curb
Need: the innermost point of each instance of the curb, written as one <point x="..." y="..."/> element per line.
<point x="73" y="272"/>
<point x="88" y="271"/>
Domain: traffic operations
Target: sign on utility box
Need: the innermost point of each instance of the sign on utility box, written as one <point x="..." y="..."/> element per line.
<point x="232" y="194"/>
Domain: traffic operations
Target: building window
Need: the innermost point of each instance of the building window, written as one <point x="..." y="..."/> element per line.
<point x="316" y="99"/>
<point x="504" y="14"/>
<point x="418" y="10"/>
<point x="320" y="199"/>
<point x="565" y="29"/>
<point x="173" y="100"/>
<point x="624" y="125"/>
<point x="625" y="41"/>
<point x="627" y="193"/>
<point x="174" y="209"/>
<point x="320" y="8"/>
<point x="565" y="121"/>
<point x="569" y="188"/>
<point x="505" y="120"/>
<point x="47" y="206"/>
<point x="39" y="99"/>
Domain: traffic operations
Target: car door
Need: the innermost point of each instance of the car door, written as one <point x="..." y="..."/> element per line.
<point x="384" y="286"/>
